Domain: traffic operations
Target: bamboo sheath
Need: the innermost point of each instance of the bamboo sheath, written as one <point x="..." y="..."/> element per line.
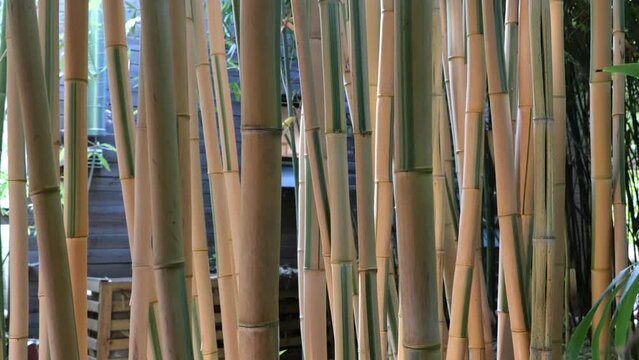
<point x="471" y="194"/>
<point x="337" y="173"/>
<point x="200" y="253"/>
<point x="141" y="252"/>
<point x="508" y="214"/>
<point x="44" y="186"/>
<point x="121" y="103"/>
<point x="414" y="180"/>
<point x="618" y="136"/>
<point x="258" y="322"/>
<point x="368" y="334"/>
<point x="383" y="201"/>
<point x="76" y="196"/>
<point x="306" y="18"/>
<point x="559" y="186"/>
<point x="544" y="228"/>
<point x="600" y="148"/>
<point x="49" y="44"/>
<point x="225" y="121"/>
<point x="227" y="282"/>
<point x="180" y="65"/>
<point x="164" y="184"/>
<point x="458" y="78"/>
<point x="18" y="220"/>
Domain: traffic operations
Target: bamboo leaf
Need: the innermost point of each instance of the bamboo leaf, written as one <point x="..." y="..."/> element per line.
<point x="631" y="69"/>
<point x="625" y="308"/>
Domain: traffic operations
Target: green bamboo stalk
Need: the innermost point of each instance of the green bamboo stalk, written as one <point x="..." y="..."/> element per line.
<point x="337" y="170"/>
<point x="76" y="209"/>
<point x="227" y="282"/>
<point x="600" y="149"/>
<point x="544" y="224"/>
<point x="121" y="103"/>
<point x="165" y="183"/>
<point x="414" y="180"/>
<point x="44" y="185"/>
<point x="511" y="44"/>
<point x="373" y="23"/>
<point x="559" y="186"/>
<point x="18" y="219"/>
<point x="258" y="321"/>
<point x="368" y="334"/>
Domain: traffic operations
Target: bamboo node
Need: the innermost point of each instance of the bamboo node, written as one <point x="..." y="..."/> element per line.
<point x="264" y="130"/>
<point x="45" y="190"/>
<point x="170" y="265"/>
<point x="267" y="324"/>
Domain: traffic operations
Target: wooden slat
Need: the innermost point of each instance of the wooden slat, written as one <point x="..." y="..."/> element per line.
<point x="104" y="320"/>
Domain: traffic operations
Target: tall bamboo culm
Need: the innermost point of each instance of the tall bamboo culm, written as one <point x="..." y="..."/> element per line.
<point x="258" y="322"/>
<point x="544" y="242"/>
<point x="414" y="180"/>
<point x="559" y="186"/>
<point x="337" y="172"/>
<point x="121" y="103"/>
<point x="600" y="150"/>
<point x="227" y="282"/>
<point x="618" y="137"/>
<point x="164" y="183"/>
<point x="44" y="186"/>
<point x="76" y="196"/>
<point x="471" y="195"/>
<point x="373" y="24"/>
<point x="48" y="13"/>
<point x="368" y="334"/>
<point x="18" y="223"/>
<point x="141" y="251"/>
<point x="225" y="119"/>
<point x="200" y="249"/>
<point x="508" y="214"/>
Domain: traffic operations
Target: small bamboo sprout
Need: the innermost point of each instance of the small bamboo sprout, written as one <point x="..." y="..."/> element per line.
<point x="76" y="196"/>
<point x="18" y="221"/>
<point x="544" y="224"/>
<point x="121" y="103"/>
<point x="200" y="250"/>
<point x="258" y="321"/>
<point x="559" y="186"/>
<point x="601" y="166"/>
<point x="227" y="283"/>
<point x="165" y="182"/>
<point x="414" y="180"/>
<point x="44" y="186"/>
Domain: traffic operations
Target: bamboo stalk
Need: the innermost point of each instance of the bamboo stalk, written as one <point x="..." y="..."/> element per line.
<point x="511" y="47"/>
<point x="544" y="227"/>
<point x="373" y="23"/>
<point x="618" y="136"/>
<point x="121" y="104"/>
<point x="76" y="209"/>
<point x="227" y="283"/>
<point x="337" y="171"/>
<point x="18" y="219"/>
<point x="368" y="334"/>
<point x="413" y="179"/>
<point x="302" y="200"/>
<point x="559" y="186"/>
<point x="498" y="89"/>
<point x="44" y="186"/>
<point x="258" y="322"/>
<point x="200" y="253"/>
<point x="141" y="253"/>
<point x="49" y="43"/>
<point x="165" y="183"/>
<point x="600" y="144"/>
<point x="225" y="119"/>
<point x="469" y="224"/>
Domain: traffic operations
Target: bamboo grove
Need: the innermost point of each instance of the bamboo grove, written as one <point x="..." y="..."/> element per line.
<point x="449" y="240"/>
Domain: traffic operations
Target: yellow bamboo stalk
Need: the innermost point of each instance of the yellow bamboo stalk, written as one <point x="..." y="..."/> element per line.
<point x="18" y="221"/>
<point x="559" y="186"/>
<point x="258" y="321"/>
<point x="373" y="23"/>
<point x="302" y="225"/>
<point x="226" y="123"/>
<point x="601" y="167"/>
<point x="200" y="253"/>
<point x="121" y="103"/>
<point x="227" y="283"/>
<point x="44" y="186"/>
<point x="75" y="157"/>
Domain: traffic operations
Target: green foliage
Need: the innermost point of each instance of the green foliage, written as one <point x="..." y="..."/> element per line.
<point x="626" y="69"/>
